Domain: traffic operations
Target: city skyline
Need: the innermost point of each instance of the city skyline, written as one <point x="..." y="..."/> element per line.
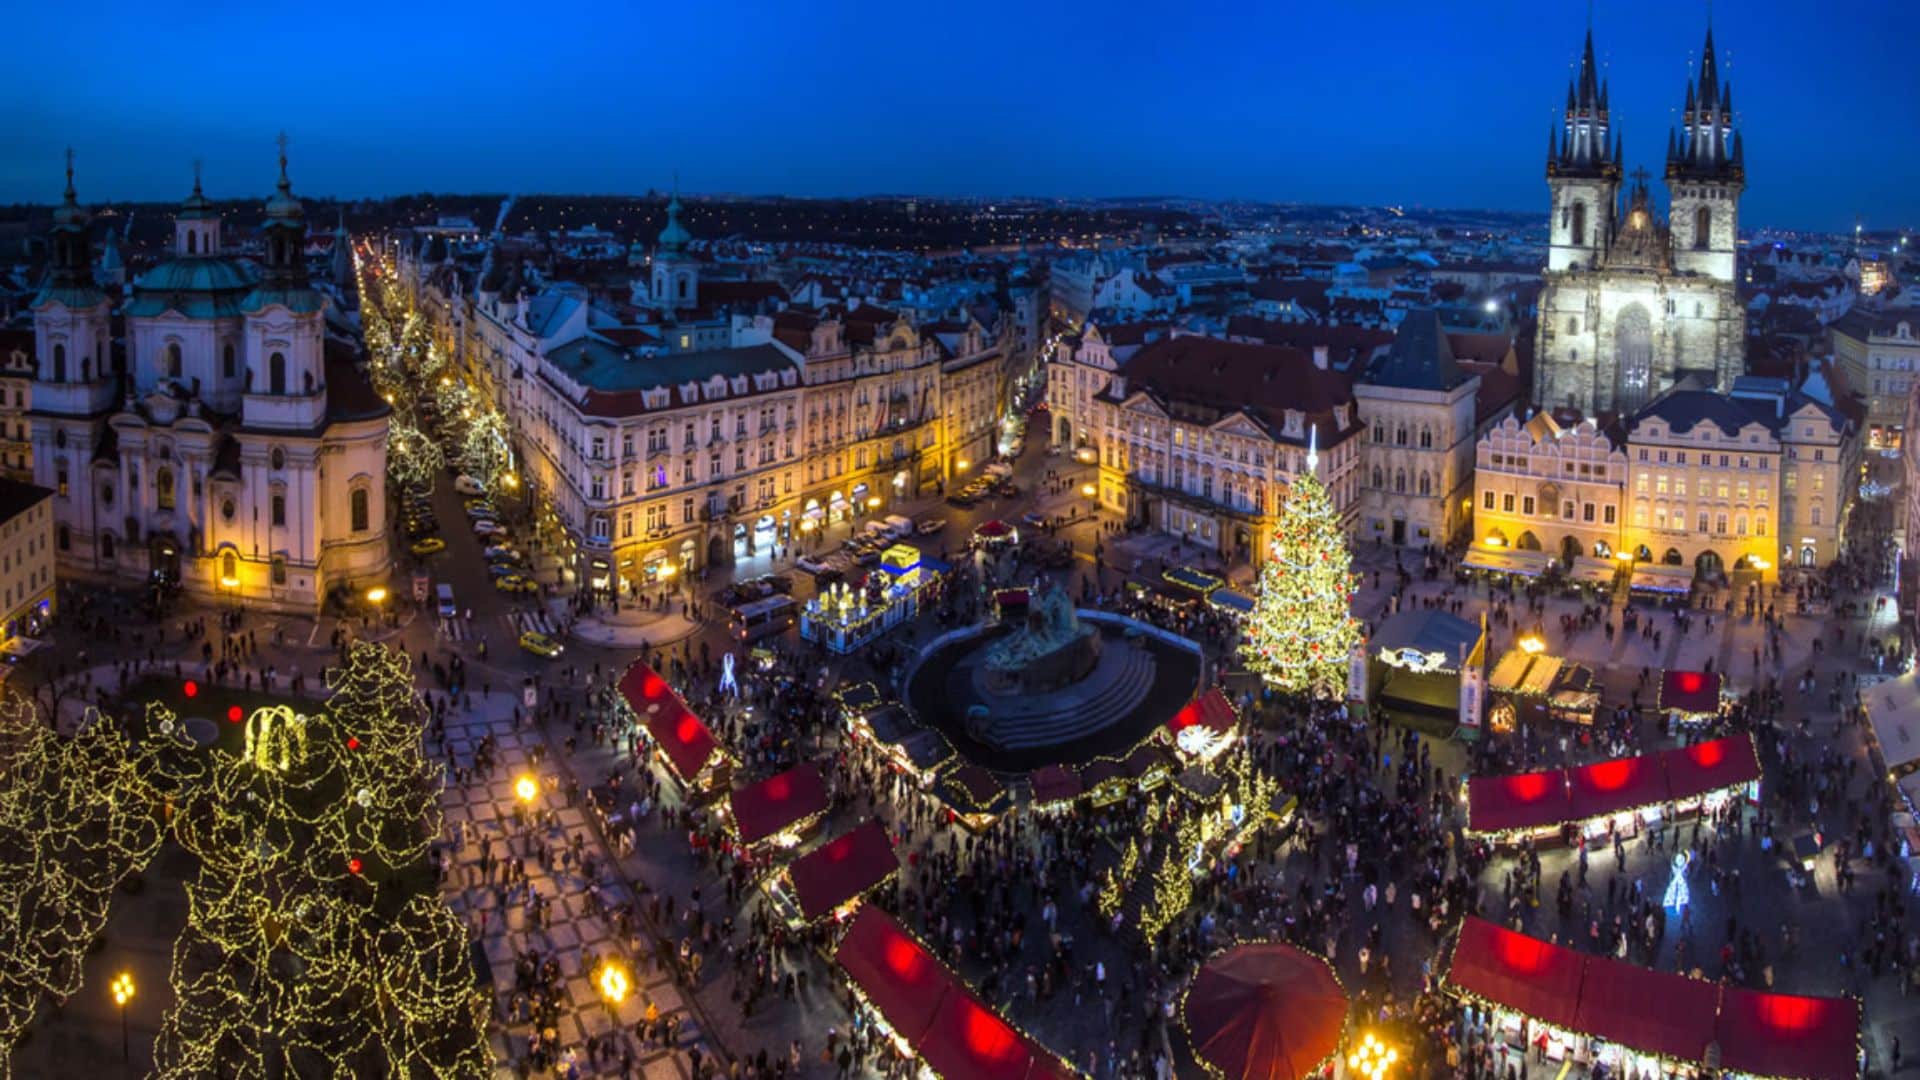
<point x="1424" y="109"/>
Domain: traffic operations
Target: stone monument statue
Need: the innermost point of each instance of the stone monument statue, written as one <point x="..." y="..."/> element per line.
<point x="1050" y="651"/>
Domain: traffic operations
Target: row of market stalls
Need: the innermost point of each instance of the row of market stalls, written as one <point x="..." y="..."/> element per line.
<point x="1596" y="1010"/>
<point x="929" y="1012"/>
<point x="766" y="819"/>
<point x="1622" y="794"/>
<point x="1181" y="587"/>
<point x="1643" y="575"/>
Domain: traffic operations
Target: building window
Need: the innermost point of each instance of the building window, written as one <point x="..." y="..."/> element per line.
<point x="226" y="361"/>
<point x="1607" y="514"/>
<point x="1577" y="227"/>
<point x="62" y="538"/>
<point x="277" y="459"/>
<point x="1702" y="228"/>
<point x="1526" y="505"/>
<point x="278" y="568"/>
<point x="173" y="359"/>
<point x="163" y="488"/>
<point x="1506" y="503"/>
<point x="279" y="512"/>
<point x="59" y="363"/>
<point x="1488" y="500"/>
<point x="229" y="569"/>
<point x="277" y="373"/>
<point x="226" y="508"/>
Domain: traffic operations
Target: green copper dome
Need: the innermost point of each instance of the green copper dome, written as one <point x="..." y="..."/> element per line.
<point x="675" y="236"/>
<point x="197" y="275"/>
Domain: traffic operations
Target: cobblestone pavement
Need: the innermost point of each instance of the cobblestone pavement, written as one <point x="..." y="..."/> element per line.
<point x="484" y="809"/>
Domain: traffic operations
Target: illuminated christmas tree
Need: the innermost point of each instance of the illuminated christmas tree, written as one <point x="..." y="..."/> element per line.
<point x="1302" y="627"/>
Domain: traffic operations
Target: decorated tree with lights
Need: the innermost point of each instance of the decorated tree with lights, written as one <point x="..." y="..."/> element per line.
<point x="1302" y="627"/>
<point x="77" y="817"/>
<point x="313" y="945"/>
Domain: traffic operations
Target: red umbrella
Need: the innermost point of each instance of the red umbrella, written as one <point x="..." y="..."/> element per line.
<point x="1265" y="1011"/>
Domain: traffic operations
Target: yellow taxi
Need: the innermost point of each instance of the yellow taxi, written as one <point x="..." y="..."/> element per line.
<point x="540" y="644"/>
<point x="516" y="583"/>
<point x="427" y="546"/>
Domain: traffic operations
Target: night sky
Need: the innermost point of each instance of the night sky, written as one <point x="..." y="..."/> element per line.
<point x="1428" y="103"/>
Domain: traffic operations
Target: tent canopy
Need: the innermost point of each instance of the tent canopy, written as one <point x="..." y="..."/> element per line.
<point x="1266" y="1010"/>
<point x="842" y="869"/>
<point x="1210" y="710"/>
<point x="969" y="1041"/>
<point x="1646" y="1009"/>
<point x="1608" y="787"/>
<point x="1784" y="1035"/>
<point x="1893" y="708"/>
<point x="1714" y="765"/>
<point x="896" y="973"/>
<point x="1054" y="783"/>
<point x="683" y="738"/>
<point x="1690" y="691"/>
<point x="1536" y="977"/>
<point x="764" y="809"/>
<point x="1520" y="801"/>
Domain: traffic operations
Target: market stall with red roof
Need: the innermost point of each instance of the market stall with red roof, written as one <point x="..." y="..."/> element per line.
<point x="894" y="972"/>
<point x="931" y="1012"/>
<point x="782" y="805"/>
<point x="1525" y="974"/>
<point x="690" y="750"/>
<point x="1690" y="695"/>
<point x="841" y="871"/>
<point x="1643" y="1020"/>
<point x="1715" y="765"/>
<point x="1054" y="787"/>
<point x="1654" y="1012"/>
<point x="1204" y="726"/>
<point x="1769" y="1034"/>
<point x="1605" y="788"/>
<point x="1522" y="801"/>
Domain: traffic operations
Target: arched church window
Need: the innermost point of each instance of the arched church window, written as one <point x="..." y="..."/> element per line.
<point x="163" y="488"/>
<point x="173" y="359"/>
<point x="1400" y="481"/>
<point x="59" y="363"/>
<point x="685" y="283"/>
<point x="359" y="509"/>
<point x="1702" y="228"/>
<point x="226" y="508"/>
<point x="1573" y="324"/>
<point x="86" y="369"/>
<point x="1426" y="484"/>
<point x="229" y="568"/>
<point x="193" y="240"/>
<point x="1577" y="228"/>
<point x="226" y="361"/>
<point x="277" y="458"/>
<point x="1379" y="477"/>
<point x="1426" y="439"/>
<point x="277" y="373"/>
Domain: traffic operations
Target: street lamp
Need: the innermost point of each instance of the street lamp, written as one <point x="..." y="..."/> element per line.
<point x="614" y="984"/>
<point x="377" y="596"/>
<point x="1372" y="1058"/>
<point x="1531" y="644"/>
<point x="122" y="993"/>
<point x="526" y="789"/>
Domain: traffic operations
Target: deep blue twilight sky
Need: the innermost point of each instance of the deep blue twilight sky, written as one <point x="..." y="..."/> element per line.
<point x="1427" y="102"/>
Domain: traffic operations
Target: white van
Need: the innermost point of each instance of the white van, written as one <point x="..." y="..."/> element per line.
<point x="899" y="527"/>
<point x="447" y="608"/>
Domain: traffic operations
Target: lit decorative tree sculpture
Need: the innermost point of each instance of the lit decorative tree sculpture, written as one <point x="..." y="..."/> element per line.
<point x="1302" y="627"/>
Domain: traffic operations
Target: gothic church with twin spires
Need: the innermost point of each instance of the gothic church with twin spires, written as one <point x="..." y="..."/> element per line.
<point x="1632" y="301"/>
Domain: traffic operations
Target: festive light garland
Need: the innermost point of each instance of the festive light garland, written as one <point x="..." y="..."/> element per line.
<point x="1302" y="629"/>
<point x="294" y="960"/>
<point x="77" y="817"/>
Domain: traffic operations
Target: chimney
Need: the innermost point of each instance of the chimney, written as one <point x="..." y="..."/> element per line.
<point x="1320" y="357"/>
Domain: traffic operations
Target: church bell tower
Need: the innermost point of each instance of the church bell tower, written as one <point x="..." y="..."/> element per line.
<point x="1706" y="172"/>
<point x="1583" y="172"/>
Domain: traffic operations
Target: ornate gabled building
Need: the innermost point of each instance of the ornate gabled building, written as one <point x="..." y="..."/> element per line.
<point x="1630" y="301"/>
<point x="229" y="454"/>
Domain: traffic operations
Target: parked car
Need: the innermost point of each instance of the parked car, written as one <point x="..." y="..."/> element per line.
<point x="811" y="565"/>
<point x="930" y="526"/>
<point x="540" y="644"/>
<point x="501" y="570"/>
<point x="485" y="528"/>
<point x="467" y="485"/>
<point x="1034" y="518"/>
<point x="501" y="551"/>
<point x="515" y="583"/>
<point x="480" y="508"/>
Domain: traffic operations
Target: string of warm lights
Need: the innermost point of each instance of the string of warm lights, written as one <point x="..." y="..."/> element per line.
<point x="305" y="950"/>
<point x="77" y="817"/>
<point x="1302" y="627"/>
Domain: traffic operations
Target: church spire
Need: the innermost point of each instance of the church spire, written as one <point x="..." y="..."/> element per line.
<point x="1584" y="149"/>
<point x="1703" y="146"/>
